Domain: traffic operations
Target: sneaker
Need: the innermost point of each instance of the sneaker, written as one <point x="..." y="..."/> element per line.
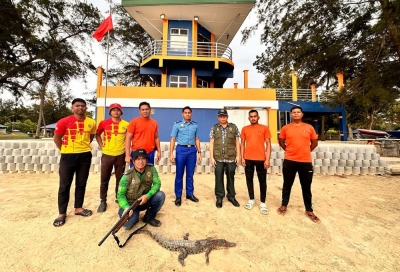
<point x="102" y="207"/>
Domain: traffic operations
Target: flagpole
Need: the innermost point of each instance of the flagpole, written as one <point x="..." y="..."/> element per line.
<point x="108" y="51"/>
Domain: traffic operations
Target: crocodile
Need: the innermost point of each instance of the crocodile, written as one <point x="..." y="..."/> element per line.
<point x="187" y="246"/>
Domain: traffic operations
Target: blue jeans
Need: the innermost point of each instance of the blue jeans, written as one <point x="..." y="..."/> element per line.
<point x="155" y="203"/>
<point x="185" y="158"/>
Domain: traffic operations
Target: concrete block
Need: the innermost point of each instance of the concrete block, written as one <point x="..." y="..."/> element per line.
<point x="318" y="162"/>
<point x="323" y="148"/>
<point x="29" y="167"/>
<point x="2" y="159"/>
<point x="342" y="163"/>
<point x="276" y="148"/>
<point x="344" y="156"/>
<point x="356" y="170"/>
<point x="381" y="170"/>
<point x="172" y="169"/>
<point x="320" y="155"/>
<point x="359" y="156"/>
<point x="42" y="152"/>
<point x="374" y="163"/>
<point x="331" y="170"/>
<point x="278" y="162"/>
<point x="34" y="152"/>
<point x="38" y="168"/>
<point x="336" y="156"/>
<point x="340" y="170"/>
<point x="328" y="155"/>
<point x="352" y="156"/>
<point x="367" y="156"/>
<point x="208" y="169"/>
<point x="25" y="152"/>
<point x="9" y="159"/>
<point x="97" y="169"/>
<point x="52" y="152"/>
<point x="360" y="149"/>
<point x="326" y="162"/>
<point x="41" y="145"/>
<point x="275" y="169"/>
<point x="200" y="169"/>
<point x="365" y="163"/>
<point x="324" y="170"/>
<point x="3" y="166"/>
<point x="18" y="159"/>
<point x="204" y="147"/>
<point x="350" y="163"/>
<point x="47" y="168"/>
<point x="274" y="155"/>
<point x="317" y="170"/>
<point x="357" y="163"/>
<point x="382" y="163"/>
<point x="91" y="169"/>
<point x="364" y="170"/>
<point x="207" y="154"/>
<point x="44" y="160"/>
<point x="16" y="152"/>
<point x="348" y="170"/>
<point x="281" y="155"/>
<point x="313" y="155"/>
<point x="15" y="145"/>
<point x="375" y="156"/>
<point x="205" y="161"/>
<point x="372" y="170"/>
<point x="99" y="153"/>
<point x="55" y="168"/>
<point x="7" y="152"/>
<point x="32" y="145"/>
<point x="334" y="163"/>
<point x="12" y="167"/>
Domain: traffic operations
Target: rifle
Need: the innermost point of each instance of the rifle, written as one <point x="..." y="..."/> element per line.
<point x="120" y="223"/>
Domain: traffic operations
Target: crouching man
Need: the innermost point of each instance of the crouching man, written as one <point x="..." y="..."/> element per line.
<point x="140" y="182"/>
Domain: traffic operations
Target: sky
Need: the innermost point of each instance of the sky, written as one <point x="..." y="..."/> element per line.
<point x="243" y="57"/>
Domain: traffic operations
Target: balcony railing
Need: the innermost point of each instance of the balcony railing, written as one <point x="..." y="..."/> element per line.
<point x="302" y="95"/>
<point x="187" y="49"/>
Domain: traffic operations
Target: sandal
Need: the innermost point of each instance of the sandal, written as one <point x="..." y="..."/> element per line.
<point x="281" y="211"/>
<point x="250" y="204"/>
<point x="263" y="208"/>
<point x="84" y="212"/>
<point x="59" y="221"/>
<point x="313" y="217"/>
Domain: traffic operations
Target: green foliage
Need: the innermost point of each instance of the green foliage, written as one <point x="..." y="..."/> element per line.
<point x="24" y="126"/>
<point x="319" y="38"/>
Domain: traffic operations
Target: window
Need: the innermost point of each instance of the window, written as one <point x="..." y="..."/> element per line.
<point x="202" y="83"/>
<point x="179" y="39"/>
<point x="178" y="81"/>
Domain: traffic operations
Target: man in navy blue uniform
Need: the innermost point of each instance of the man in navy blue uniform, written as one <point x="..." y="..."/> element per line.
<point x="184" y="133"/>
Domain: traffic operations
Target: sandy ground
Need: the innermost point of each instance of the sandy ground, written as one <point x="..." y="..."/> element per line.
<point x="359" y="229"/>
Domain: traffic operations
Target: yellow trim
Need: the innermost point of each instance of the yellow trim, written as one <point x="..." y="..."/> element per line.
<point x="161" y="62"/>
<point x="246" y="79"/>
<point x="100" y="114"/>
<point x="216" y="64"/>
<point x="187" y="93"/>
<point x="165" y="37"/>
<point x="273" y="124"/>
<point x="194" y="38"/>
<point x="313" y="92"/>
<point x="163" y="78"/>
<point x="194" y="78"/>
<point x="186" y="59"/>
<point x="294" y="86"/>
<point x="99" y="79"/>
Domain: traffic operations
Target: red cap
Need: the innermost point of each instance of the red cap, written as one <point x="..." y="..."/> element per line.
<point x="117" y="106"/>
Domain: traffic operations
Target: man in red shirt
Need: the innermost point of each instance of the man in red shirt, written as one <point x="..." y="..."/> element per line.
<point x="112" y="145"/>
<point x="72" y="136"/>
<point x="298" y="139"/>
<point x="256" y="153"/>
<point x="142" y="133"/>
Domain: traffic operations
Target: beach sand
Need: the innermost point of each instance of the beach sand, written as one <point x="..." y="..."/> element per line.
<point x="359" y="229"/>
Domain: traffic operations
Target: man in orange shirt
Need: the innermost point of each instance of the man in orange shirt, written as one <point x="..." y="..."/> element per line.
<point x="142" y="133"/>
<point x="256" y="153"/>
<point x="72" y="136"/>
<point x="298" y="140"/>
<point x="112" y="145"/>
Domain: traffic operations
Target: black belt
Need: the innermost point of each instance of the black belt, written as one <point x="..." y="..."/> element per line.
<point x="185" y="145"/>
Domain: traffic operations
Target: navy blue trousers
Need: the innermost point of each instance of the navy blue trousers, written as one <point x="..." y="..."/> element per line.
<point x="185" y="157"/>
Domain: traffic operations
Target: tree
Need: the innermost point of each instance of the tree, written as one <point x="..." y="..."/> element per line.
<point x="50" y="45"/>
<point x="128" y="41"/>
<point x="318" y="38"/>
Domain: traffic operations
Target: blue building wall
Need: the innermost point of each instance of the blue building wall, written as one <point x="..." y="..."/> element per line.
<point x="203" y="31"/>
<point x="184" y="25"/>
<point x="205" y="118"/>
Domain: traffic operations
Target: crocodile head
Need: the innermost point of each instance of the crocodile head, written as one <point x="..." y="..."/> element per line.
<point x="219" y="243"/>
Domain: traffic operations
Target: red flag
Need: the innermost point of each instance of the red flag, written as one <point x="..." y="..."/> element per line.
<point x="105" y="26"/>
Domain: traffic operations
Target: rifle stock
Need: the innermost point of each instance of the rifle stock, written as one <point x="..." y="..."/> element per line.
<point x="121" y="221"/>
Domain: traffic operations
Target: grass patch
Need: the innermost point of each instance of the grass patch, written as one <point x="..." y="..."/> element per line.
<point x="15" y="136"/>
